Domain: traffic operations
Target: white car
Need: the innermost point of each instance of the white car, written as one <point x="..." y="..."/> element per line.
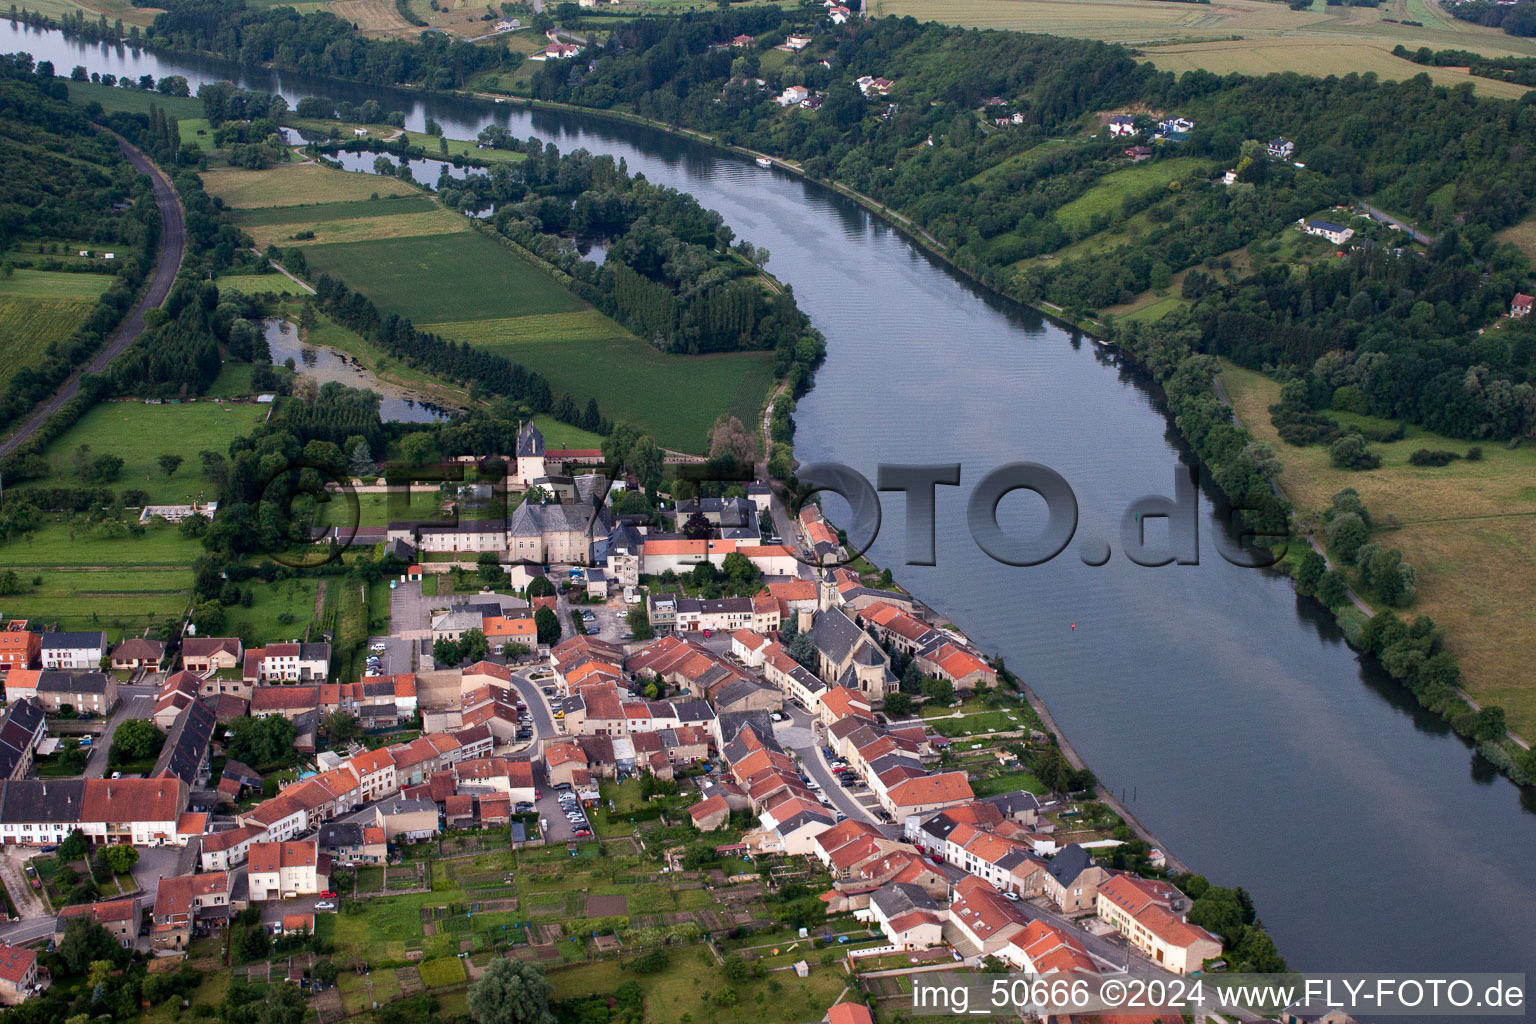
<point x="377" y="647"/>
<point x="325" y="905"/>
<point x="1011" y="896"/>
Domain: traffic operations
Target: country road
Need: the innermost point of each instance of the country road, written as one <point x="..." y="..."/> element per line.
<point x="173" y="246"/>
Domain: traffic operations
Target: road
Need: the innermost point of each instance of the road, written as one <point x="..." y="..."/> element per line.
<point x="793" y="735"/>
<point x="136" y="701"/>
<point x="538" y="706"/>
<point x="173" y="246"/>
<point x="1387" y="218"/>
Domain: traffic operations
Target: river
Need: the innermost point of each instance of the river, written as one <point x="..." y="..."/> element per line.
<point x="1242" y="729"/>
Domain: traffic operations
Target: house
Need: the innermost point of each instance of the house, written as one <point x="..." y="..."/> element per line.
<point x="1122" y="124"/>
<point x="93" y="692"/>
<point x="185" y="753"/>
<point x="221" y="851"/>
<point x="184" y="902"/>
<point x="923" y="793"/>
<point x="1045" y="949"/>
<point x="178" y="691"/>
<point x="561" y="51"/>
<point x="742" y="40"/>
<point x="119" y="917"/>
<point x="1142" y="911"/>
<point x="72" y="650"/>
<point x="1137" y="154"/>
<point x="1281" y="149"/>
<point x="288" y="663"/>
<point x="19" y="646"/>
<point x="793" y="95"/>
<point x="282" y="870"/>
<point x="410" y="817"/>
<point x="710" y="814"/>
<point x="980" y="918"/>
<point x="18" y="973"/>
<point x="1072" y="879"/>
<point x="1520" y="306"/>
<point x="1338" y="234"/>
<point x="796" y="43"/>
<point x="138" y="653"/>
<point x="907" y="915"/>
<point x="348" y="843"/>
<point x="208" y="654"/>
<point x="23" y="725"/>
<point x="839" y="15"/>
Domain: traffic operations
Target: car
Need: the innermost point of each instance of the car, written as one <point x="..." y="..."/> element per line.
<point x="708" y="633"/>
<point x="117" y="775"/>
<point x="328" y="894"/>
<point x="777" y="717"/>
<point x="325" y="905"/>
<point x="549" y="691"/>
<point x="582" y="832"/>
<point x="559" y="714"/>
<point x="813" y="785"/>
<point x="523" y="807"/>
<point x="1011" y="896"/>
<point x="938" y="859"/>
<point x="377" y="647"/>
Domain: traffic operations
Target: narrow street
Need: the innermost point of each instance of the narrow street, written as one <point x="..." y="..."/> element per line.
<point x="133" y="702"/>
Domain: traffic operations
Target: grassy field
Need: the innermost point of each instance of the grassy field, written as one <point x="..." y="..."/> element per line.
<point x="509" y="334"/>
<point x="1468" y="528"/>
<point x="29" y="325"/>
<point x="1523" y="235"/>
<point x="116" y="600"/>
<point x="299" y="185"/>
<point x="689" y="984"/>
<point x="1175" y="37"/>
<point x="45" y="284"/>
<point x="279" y="612"/>
<point x="132" y="101"/>
<point x="673" y="398"/>
<point x="350" y="230"/>
<point x="563" y="435"/>
<point x="438" y="278"/>
<point x="306" y="216"/>
<point x="1110" y="191"/>
<point x="139" y="434"/>
<point x="260" y="284"/>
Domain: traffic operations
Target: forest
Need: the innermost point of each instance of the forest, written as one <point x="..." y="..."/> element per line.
<point x="1517" y="19"/>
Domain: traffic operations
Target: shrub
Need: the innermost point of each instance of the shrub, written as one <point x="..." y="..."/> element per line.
<point x="1436" y="457"/>
<point x="1350" y="452"/>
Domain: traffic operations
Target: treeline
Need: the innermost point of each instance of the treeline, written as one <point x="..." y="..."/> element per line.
<point x="64" y="179"/>
<point x="1515" y="19"/>
<point x="1519" y="70"/>
<point x="323" y="44"/>
<point x="671" y="272"/>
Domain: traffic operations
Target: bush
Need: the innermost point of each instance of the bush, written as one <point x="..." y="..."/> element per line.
<point x="1350" y="452"/>
<point x="1437" y="457"/>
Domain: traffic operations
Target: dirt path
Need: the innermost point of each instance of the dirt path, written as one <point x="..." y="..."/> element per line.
<point x="27" y="902"/>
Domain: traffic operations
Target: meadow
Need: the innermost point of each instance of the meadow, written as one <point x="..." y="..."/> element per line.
<point x="438" y="278"/>
<point x="45" y="284"/>
<point x="89" y="578"/>
<point x="299" y="185"/>
<point x="132" y="101"/>
<point x="1522" y="234"/>
<point x="261" y="284"/>
<point x="1110" y="191"/>
<point x="28" y="326"/>
<point x="139" y="433"/>
<point x="1469" y="528"/>
<point x="322" y="230"/>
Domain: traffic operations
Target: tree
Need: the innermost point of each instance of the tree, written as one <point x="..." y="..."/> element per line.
<point x="1309" y="573"/>
<point x="1053" y="769"/>
<point x="488" y="567"/>
<point x="361" y="457"/>
<point x="738" y="568"/>
<point x="540" y="586"/>
<point x="547" y="623"/>
<point x="208" y="617"/>
<point x="473" y="646"/>
<point x="85" y="942"/>
<point x="446" y="651"/>
<point x="261" y="741"/>
<point x="510" y="991"/>
<point x="135" y="740"/>
<point x="898" y="705"/>
<point x="939" y="690"/>
<point x="697" y="528"/>
<point x="341" y="727"/>
<point x="170" y="462"/>
<point x="121" y="857"/>
<point x="324" y="972"/>
<point x="640" y="623"/>
<point x="1350" y="452"/>
<point x="803" y="649"/>
<point x="1332" y="590"/>
<point x="73" y="847"/>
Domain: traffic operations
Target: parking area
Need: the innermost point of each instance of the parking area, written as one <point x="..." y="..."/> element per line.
<point x="559" y="828"/>
<point x="393" y="659"/>
<point x="410" y="612"/>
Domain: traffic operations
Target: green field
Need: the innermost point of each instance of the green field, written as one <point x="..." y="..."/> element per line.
<point x="299" y="185"/>
<point x="437" y="278"/>
<point x="513" y="333"/>
<point x="131" y="101"/>
<point x="673" y="398"/>
<point x="305" y="216"/>
<point x="563" y="435"/>
<point x="29" y="326"/>
<point x="1110" y="191"/>
<point x="45" y="284"/>
<point x="260" y="284"/>
<point x="686" y="986"/>
<point x="139" y="433"/>
<point x="280" y="611"/>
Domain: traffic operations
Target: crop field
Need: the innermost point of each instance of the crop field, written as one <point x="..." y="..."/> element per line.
<point x="29" y="325"/>
<point x="673" y="398"/>
<point x="1469" y="528"/>
<point x="509" y="335"/>
<point x="299" y="185"/>
<point x="45" y="284"/>
<point x="1106" y="196"/>
<point x="438" y="278"/>
<point x="350" y="230"/>
<point x="139" y="434"/>
<point x="1175" y="37"/>
<point x="297" y="217"/>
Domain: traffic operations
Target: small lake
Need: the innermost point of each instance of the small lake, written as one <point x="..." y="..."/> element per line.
<point x="326" y="365"/>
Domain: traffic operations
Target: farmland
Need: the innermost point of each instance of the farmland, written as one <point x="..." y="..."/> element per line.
<point x="29" y="323"/>
<point x="1248" y="36"/>
<point x="42" y="284"/>
<point x="298" y="185"/>
<point x="1469" y="528"/>
<point x="139" y="434"/>
<point x="1109" y="192"/>
<point x="261" y="284"/>
<point x="437" y="278"/>
<point x="133" y="101"/>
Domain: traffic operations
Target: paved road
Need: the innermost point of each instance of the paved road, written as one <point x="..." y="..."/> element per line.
<point x="136" y="701"/>
<point x="173" y="246"/>
<point x="1387" y="218"/>
<point x="816" y="767"/>
<point x="538" y="706"/>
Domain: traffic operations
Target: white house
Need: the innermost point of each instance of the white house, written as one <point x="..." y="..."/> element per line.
<point x="1338" y="234"/>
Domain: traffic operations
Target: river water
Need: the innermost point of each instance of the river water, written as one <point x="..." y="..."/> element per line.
<point x="1242" y="729"/>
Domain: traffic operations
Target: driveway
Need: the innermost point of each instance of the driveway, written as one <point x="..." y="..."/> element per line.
<point x="133" y="702"/>
<point x="157" y="862"/>
<point x="396" y="657"/>
<point x="560" y="829"/>
<point x="410" y="612"/>
<point x="13" y="873"/>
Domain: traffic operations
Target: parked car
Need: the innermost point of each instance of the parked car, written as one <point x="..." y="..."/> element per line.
<point x="1011" y="896"/>
<point x="325" y="905"/>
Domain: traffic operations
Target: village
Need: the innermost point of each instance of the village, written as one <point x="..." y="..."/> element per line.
<point x="820" y="731"/>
